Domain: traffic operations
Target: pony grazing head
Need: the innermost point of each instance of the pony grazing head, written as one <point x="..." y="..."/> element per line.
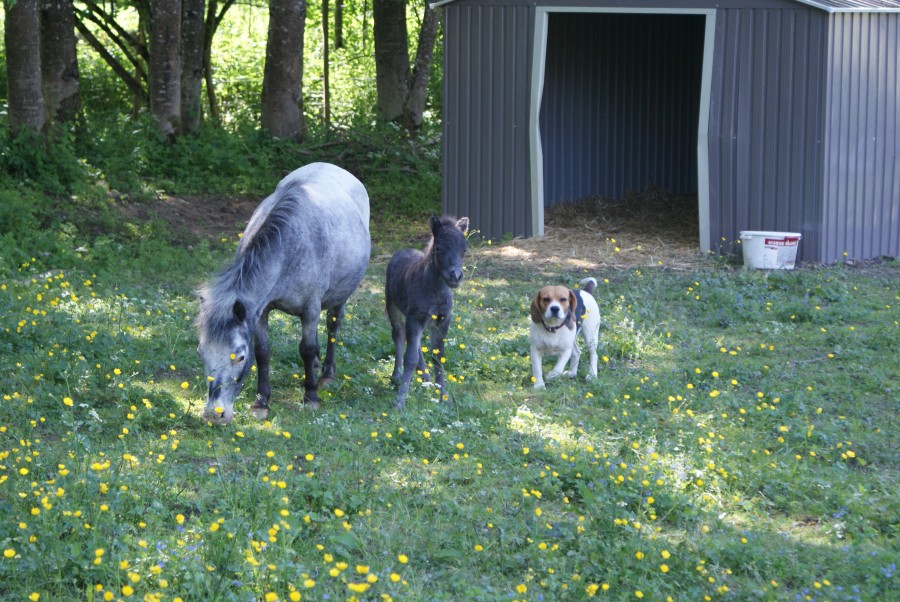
<point x="448" y="247"/>
<point x="226" y="340"/>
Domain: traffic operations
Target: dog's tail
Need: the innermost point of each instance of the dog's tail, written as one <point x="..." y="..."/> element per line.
<point x="588" y="285"/>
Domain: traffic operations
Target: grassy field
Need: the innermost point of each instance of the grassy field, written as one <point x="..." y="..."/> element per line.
<point x="739" y="444"/>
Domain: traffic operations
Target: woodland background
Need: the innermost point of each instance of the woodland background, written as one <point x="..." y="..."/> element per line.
<point x="327" y="62"/>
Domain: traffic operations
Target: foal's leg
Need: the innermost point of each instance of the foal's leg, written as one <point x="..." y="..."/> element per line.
<point x="335" y="319"/>
<point x="398" y="335"/>
<point x="260" y="408"/>
<point x="438" y="334"/>
<point x="414" y="328"/>
<point x="309" y="353"/>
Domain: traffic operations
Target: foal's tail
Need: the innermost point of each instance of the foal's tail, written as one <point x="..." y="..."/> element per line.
<point x="588" y="285"/>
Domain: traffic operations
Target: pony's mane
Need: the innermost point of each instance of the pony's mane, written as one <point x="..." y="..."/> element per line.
<point x="241" y="280"/>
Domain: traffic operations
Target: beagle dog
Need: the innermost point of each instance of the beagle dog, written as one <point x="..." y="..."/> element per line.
<point x="558" y="314"/>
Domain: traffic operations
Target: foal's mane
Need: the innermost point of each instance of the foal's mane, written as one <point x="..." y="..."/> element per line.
<point x="242" y="279"/>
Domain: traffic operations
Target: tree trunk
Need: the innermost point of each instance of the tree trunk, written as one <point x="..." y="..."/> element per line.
<point x="214" y="18"/>
<point x="133" y="83"/>
<point x="22" y="37"/>
<point x="59" y="62"/>
<point x="338" y="24"/>
<point x="165" y="66"/>
<point x="282" y="115"/>
<point x="192" y="46"/>
<point x="414" y="109"/>
<point x="391" y="57"/>
<point x="326" y="65"/>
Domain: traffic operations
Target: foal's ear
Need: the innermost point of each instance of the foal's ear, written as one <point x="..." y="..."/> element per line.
<point x="463" y="224"/>
<point x="239" y="311"/>
<point x="435" y="224"/>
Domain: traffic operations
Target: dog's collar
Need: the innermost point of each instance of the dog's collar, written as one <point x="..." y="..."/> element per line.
<point x="561" y="324"/>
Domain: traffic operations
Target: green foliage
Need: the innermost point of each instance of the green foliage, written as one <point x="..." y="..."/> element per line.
<point x="30" y="160"/>
<point x="751" y="458"/>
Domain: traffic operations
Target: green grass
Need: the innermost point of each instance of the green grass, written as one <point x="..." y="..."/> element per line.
<point x="740" y="442"/>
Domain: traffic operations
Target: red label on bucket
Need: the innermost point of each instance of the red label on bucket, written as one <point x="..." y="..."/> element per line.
<point x="787" y="241"/>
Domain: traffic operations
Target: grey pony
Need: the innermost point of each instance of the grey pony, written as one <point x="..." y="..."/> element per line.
<point x="305" y="250"/>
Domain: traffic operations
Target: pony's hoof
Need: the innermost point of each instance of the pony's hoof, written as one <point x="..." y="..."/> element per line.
<point x="259" y="412"/>
<point x="323" y="382"/>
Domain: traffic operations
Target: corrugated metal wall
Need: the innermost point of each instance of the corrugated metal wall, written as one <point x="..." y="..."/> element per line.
<point x="862" y="135"/>
<point x="765" y="124"/>
<point x="803" y="129"/>
<point x="486" y="95"/>
<point x="620" y="104"/>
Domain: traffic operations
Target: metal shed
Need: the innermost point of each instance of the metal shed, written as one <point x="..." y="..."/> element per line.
<point x="779" y="114"/>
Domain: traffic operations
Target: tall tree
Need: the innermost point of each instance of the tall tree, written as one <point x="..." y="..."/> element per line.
<point x="282" y="114"/>
<point x="22" y="37"/>
<point x="414" y="106"/>
<point x="59" y="61"/>
<point x="338" y="24"/>
<point x="165" y="66"/>
<point x="131" y="44"/>
<point x="214" y="16"/>
<point x="401" y="92"/>
<point x="192" y="47"/>
<point x="326" y="67"/>
<point x="391" y="57"/>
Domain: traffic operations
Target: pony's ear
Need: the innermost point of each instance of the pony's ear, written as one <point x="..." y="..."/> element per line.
<point x="239" y="311"/>
<point x="435" y="224"/>
<point x="463" y="224"/>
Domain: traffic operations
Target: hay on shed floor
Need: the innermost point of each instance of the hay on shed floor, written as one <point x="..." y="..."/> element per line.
<point x="651" y="228"/>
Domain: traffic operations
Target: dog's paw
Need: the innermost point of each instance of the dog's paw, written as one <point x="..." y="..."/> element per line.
<point x="591" y="376"/>
<point x="553" y="374"/>
<point x="540" y="385"/>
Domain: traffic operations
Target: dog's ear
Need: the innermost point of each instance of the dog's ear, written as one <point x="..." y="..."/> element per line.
<point x="537" y="314"/>
<point x="573" y="308"/>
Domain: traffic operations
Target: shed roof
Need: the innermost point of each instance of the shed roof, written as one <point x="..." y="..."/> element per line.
<point x="831" y="6"/>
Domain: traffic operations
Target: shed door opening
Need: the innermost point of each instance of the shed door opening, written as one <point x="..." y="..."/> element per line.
<point x="620" y="104"/>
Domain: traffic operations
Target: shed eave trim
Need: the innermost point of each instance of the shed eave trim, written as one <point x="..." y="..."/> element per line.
<point x="813" y="3"/>
<point x="841" y="9"/>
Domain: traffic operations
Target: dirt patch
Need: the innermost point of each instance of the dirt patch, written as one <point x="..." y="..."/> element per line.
<point x="195" y="217"/>
<point x="652" y="228"/>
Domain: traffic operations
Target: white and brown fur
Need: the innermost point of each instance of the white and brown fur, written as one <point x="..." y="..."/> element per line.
<point x="558" y="314"/>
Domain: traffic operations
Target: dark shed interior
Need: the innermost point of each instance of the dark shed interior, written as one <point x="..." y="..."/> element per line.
<point x="620" y="104"/>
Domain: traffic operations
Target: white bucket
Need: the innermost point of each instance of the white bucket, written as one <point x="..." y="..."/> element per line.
<point x="770" y="250"/>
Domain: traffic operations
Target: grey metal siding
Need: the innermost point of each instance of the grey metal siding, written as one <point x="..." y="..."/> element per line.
<point x="766" y="113"/>
<point x="803" y="130"/>
<point x="487" y="65"/>
<point x="862" y="176"/>
<point x="620" y="104"/>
